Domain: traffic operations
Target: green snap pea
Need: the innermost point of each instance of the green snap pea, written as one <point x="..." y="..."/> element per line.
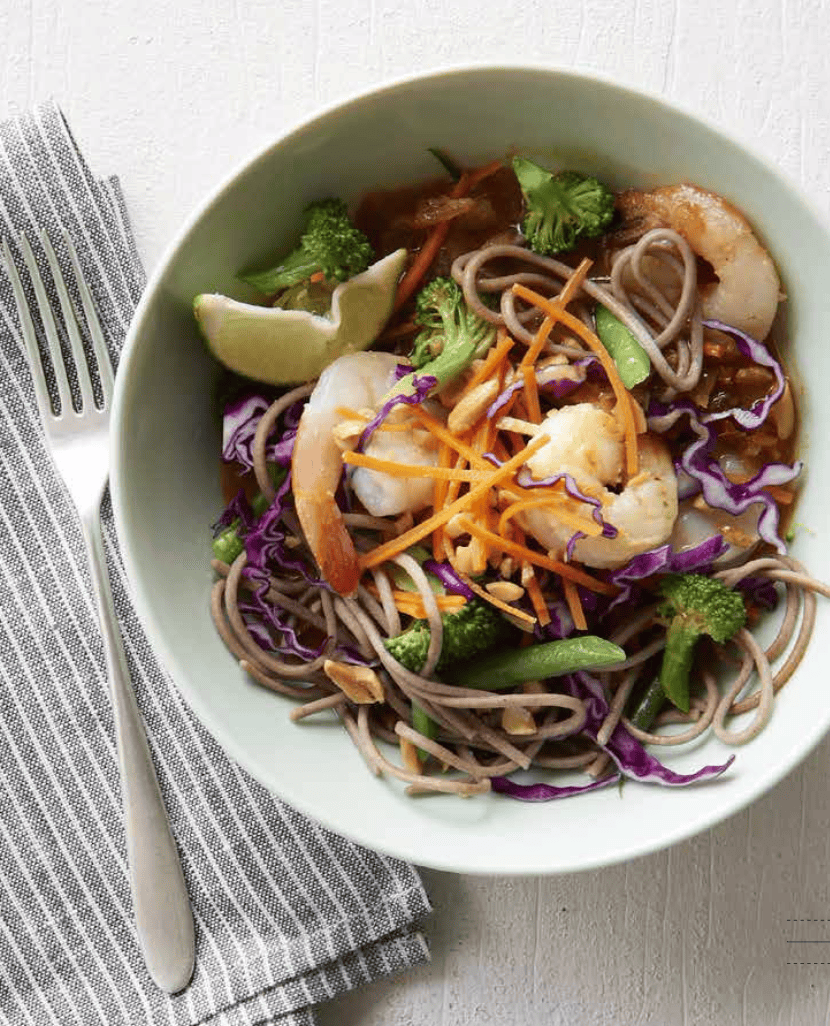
<point x="537" y="662"/>
<point x="631" y="359"/>
<point x="653" y="700"/>
<point x="424" y="724"/>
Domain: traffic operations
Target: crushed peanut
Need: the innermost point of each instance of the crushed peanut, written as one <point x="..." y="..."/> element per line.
<point x="506" y="591"/>
<point x="359" y="683"/>
<point x="517" y="720"/>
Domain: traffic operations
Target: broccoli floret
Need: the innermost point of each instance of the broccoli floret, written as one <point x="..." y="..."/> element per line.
<point x="452" y="336"/>
<point x="561" y="208"/>
<point x="476" y="627"/>
<point x="330" y="245"/>
<point x="697" y="605"/>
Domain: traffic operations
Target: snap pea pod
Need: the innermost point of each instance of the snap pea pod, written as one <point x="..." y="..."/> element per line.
<point x="424" y="724"/>
<point x="631" y="359"/>
<point x="537" y="662"/>
<point x="653" y="700"/>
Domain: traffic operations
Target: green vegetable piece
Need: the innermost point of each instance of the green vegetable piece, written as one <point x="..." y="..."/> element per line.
<point x="652" y="701"/>
<point x="228" y="544"/>
<point x="402" y="580"/>
<point x="425" y="725"/>
<point x="330" y="245"/>
<point x="631" y="359"/>
<point x="538" y="662"/>
<point x="561" y="208"/>
<point x="697" y="605"/>
<point x="446" y="162"/>
<point x="476" y="627"/>
<point x="283" y="347"/>
<point x="452" y="336"/>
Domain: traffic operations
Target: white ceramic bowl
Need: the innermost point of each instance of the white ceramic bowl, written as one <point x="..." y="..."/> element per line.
<point x="166" y="450"/>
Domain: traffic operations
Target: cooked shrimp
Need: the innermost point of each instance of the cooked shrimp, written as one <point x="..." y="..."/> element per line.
<point x="358" y="382"/>
<point x="586" y="443"/>
<point x="747" y="292"/>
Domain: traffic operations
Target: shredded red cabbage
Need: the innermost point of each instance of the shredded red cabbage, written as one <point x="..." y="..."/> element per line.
<point x="665" y="560"/>
<point x="422" y="386"/>
<point x="265" y="544"/>
<point x="237" y="509"/>
<point x="448" y="577"/>
<point x="718" y="491"/>
<point x="526" y="480"/>
<point x="758" y="353"/>
<point x="541" y="792"/>
<point x="630" y="756"/>
<point x="557" y="387"/>
<point x="239" y="424"/>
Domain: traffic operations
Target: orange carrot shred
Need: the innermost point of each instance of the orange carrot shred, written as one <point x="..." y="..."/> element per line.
<point x="575" y="605"/>
<point x="552" y="309"/>
<point x="361" y="459"/>
<point x="531" y="396"/>
<point x="385" y="551"/>
<point x="536" y="597"/>
<point x="565" y="570"/>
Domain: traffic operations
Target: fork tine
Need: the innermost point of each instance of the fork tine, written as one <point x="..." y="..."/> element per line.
<point x="81" y="365"/>
<point x="29" y="336"/>
<point x="99" y="344"/>
<point x="49" y="327"/>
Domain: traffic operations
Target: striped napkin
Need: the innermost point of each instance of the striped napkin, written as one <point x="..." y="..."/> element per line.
<point x="287" y="914"/>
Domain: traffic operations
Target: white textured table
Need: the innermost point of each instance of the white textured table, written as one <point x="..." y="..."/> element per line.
<point x="171" y="94"/>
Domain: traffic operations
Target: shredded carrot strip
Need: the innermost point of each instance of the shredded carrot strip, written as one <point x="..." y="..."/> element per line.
<point x="493" y="361"/>
<point x="360" y="459"/>
<point x="479" y="174"/>
<point x="317" y="276"/>
<point x="554" y="502"/>
<point x="429" y="251"/>
<point x="537" y="599"/>
<point x="412" y="604"/>
<point x="395" y="545"/>
<point x="443" y="434"/>
<point x="552" y="309"/>
<point x="531" y="396"/>
<point x="522" y="552"/>
<point x="439" y="494"/>
<point x="575" y="605"/>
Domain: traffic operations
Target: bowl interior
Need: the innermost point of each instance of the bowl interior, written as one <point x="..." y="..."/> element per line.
<point x="165" y="477"/>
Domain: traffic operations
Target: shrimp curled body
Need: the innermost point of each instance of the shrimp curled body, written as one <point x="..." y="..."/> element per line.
<point x="358" y="382"/>
<point x="586" y="443"/>
<point x="747" y="292"/>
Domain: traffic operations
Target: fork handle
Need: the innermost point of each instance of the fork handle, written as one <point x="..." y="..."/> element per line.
<point x="163" y="916"/>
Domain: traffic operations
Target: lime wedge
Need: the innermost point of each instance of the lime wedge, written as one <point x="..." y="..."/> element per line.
<point x="284" y="347"/>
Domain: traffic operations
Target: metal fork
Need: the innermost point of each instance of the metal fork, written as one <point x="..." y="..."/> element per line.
<point x="79" y="446"/>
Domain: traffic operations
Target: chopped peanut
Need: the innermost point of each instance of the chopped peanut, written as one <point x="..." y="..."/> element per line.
<point x="359" y="683"/>
<point x="507" y="591"/>
<point x="515" y="719"/>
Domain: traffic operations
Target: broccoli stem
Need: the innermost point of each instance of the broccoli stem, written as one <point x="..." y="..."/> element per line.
<point x="537" y="662"/>
<point x="649" y="705"/>
<point x="677" y="661"/>
<point x="424" y="724"/>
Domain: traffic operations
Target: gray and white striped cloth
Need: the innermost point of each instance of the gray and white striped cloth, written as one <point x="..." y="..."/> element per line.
<point x="287" y="914"/>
